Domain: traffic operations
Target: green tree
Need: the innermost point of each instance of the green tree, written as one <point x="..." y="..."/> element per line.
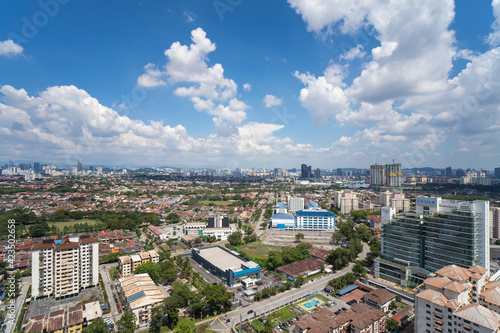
<point x="359" y="269"/>
<point x="156" y="319"/>
<point x="263" y="224"/>
<point x="298" y="281"/>
<point x="337" y="237"/>
<point x="257" y="296"/>
<point x="152" y="269"/>
<point x="392" y="305"/>
<point x="127" y="323"/>
<point x="96" y="326"/>
<point x="235" y="238"/>
<point x="185" y="325"/>
<point x="391" y="325"/>
<point x="299" y="237"/>
<point x="217" y="297"/>
<point x="398" y="298"/>
<point x="268" y="326"/>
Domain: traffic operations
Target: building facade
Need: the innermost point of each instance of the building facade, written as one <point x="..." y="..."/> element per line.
<point x="63" y="267"/>
<point x="128" y="264"/>
<point x="438" y="233"/>
<point x="295" y="204"/>
<point x="377" y="174"/>
<point x="346" y="201"/>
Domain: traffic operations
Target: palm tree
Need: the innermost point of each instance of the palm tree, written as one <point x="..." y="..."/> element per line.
<point x="268" y="326"/>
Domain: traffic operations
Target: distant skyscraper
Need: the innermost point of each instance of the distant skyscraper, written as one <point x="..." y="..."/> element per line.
<point x="495" y="221"/>
<point x="393" y="175"/>
<point x="317" y="174"/>
<point x="377" y="173"/>
<point x="79" y="166"/>
<point x="305" y="171"/>
<point x="37" y="167"/>
<point x="448" y="172"/>
<point x="460" y="173"/>
<point x="339" y="172"/>
<point x="497" y="173"/>
<point x="278" y="173"/>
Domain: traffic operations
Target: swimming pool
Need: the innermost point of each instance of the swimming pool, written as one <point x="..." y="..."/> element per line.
<point x="312" y="303"/>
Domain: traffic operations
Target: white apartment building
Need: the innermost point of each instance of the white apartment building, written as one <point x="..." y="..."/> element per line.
<point x="458" y="300"/>
<point x="295" y="204"/>
<point x="396" y="200"/>
<point x="346" y="201"/>
<point x="62" y="268"/>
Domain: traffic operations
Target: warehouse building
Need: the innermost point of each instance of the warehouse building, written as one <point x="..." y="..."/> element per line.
<point x="226" y="265"/>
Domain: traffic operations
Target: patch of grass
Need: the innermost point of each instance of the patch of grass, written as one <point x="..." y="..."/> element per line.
<point x="113" y="271"/>
<point x="403" y="305"/>
<point x="278" y="317"/>
<point x="257" y="249"/>
<point x="323" y="298"/>
<point x="70" y="223"/>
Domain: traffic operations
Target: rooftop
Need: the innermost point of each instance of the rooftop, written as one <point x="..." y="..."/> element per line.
<point x="323" y="212"/>
<point x="302" y="267"/>
<point x="140" y="290"/>
<point x="221" y="258"/>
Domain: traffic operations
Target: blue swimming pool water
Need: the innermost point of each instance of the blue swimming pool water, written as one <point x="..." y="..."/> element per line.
<point x="312" y="303"/>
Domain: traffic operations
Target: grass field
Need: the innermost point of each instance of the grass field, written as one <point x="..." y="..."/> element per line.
<point x="257" y="249"/>
<point x="217" y="203"/>
<point x="61" y="225"/>
<point x="278" y="316"/>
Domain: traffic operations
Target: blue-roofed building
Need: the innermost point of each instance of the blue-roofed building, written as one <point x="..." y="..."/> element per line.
<point x="305" y="220"/>
<point x="312" y="205"/>
<point x="281" y="208"/>
<point x="283" y="221"/>
<point x="347" y="290"/>
<point x="314" y="220"/>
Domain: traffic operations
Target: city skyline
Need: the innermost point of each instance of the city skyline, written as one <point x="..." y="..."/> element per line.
<point x="250" y="84"/>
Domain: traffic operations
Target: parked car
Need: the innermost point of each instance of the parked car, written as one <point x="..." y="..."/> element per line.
<point x="249" y="312"/>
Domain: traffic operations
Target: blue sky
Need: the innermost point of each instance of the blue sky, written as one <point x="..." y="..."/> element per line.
<point x="250" y="83"/>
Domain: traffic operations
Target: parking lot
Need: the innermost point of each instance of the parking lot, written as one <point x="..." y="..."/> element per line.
<point x="50" y="304"/>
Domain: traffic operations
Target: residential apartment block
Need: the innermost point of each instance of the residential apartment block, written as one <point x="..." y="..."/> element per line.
<point x="63" y="267"/>
<point x="458" y="299"/>
<point x="346" y="201"/>
<point x="128" y="264"/>
<point x="438" y="233"/>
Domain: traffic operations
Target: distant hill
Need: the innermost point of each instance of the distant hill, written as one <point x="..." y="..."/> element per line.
<point x="141" y="171"/>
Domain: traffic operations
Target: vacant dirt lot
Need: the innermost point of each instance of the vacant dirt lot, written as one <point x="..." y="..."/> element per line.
<point x="287" y="238"/>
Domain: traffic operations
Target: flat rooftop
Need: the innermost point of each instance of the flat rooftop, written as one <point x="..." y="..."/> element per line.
<point x="220" y="258"/>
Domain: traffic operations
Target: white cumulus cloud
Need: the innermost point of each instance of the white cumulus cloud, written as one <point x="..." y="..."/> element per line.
<point x="9" y="48"/>
<point x="271" y="100"/>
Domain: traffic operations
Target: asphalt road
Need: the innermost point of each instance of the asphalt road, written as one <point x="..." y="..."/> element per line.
<point x="106" y="278"/>
<point x="10" y="324"/>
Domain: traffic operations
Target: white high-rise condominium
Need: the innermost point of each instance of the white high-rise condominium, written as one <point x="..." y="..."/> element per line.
<point x="295" y="204"/>
<point x="63" y="268"/>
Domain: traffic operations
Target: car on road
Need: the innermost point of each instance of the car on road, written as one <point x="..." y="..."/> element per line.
<point x="119" y="310"/>
<point x="228" y="320"/>
<point x="344" y="309"/>
<point x="239" y="289"/>
<point x="249" y="312"/>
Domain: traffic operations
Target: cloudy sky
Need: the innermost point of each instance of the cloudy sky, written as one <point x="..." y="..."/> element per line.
<point x="240" y="83"/>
